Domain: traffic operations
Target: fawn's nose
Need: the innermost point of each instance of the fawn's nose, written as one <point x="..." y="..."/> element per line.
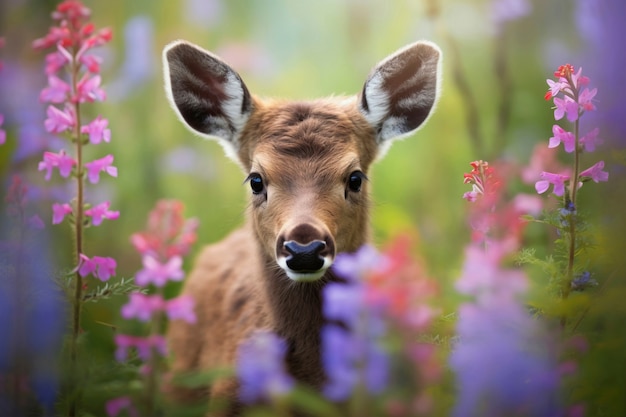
<point x="305" y="258"/>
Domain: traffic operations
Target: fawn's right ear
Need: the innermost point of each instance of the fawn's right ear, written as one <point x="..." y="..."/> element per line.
<point x="206" y="93"/>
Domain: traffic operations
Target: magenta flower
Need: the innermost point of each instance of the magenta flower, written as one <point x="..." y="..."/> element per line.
<point x="100" y="212"/>
<point x="116" y="405"/>
<point x="157" y="273"/>
<point x="596" y="172"/>
<point x="590" y="140"/>
<point x="181" y="308"/>
<point x="59" y="211"/>
<point x="142" y="306"/>
<point x="103" y="164"/>
<point x="55" y="61"/>
<point x="565" y="106"/>
<point x="561" y="135"/>
<point x="56" y="92"/>
<point x="88" y="89"/>
<point x="555" y="87"/>
<point x="548" y="178"/>
<point x="3" y="134"/>
<point x="91" y="62"/>
<point x="59" y="121"/>
<point x="585" y="97"/>
<point x="98" y="266"/>
<point x="97" y="130"/>
<point x="144" y="345"/>
<point x="60" y="160"/>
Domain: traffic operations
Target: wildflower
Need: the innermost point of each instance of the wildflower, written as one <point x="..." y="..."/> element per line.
<point x="261" y="368"/>
<point x="115" y="406"/>
<point x="103" y="164"/>
<point x="590" y="140"/>
<point x="97" y="130"/>
<point x="555" y="88"/>
<point x="61" y="161"/>
<point x="100" y="212"/>
<point x="59" y="211"/>
<point x="100" y="267"/>
<point x="142" y="307"/>
<point x="565" y="106"/>
<point x="88" y="89"/>
<point x="145" y="346"/>
<point x="59" y="121"/>
<point x="3" y="133"/>
<point x="585" y="97"/>
<point x="547" y="178"/>
<point x="181" y="308"/>
<point x="596" y="172"/>
<point x="57" y="60"/>
<point x="157" y="273"/>
<point x="91" y="62"/>
<point x="56" y="92"/>
<point x="583" y="281"/>
<point x="562" y="136"/>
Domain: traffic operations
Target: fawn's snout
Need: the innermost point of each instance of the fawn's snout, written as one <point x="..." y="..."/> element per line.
<point x="305" y="252"/>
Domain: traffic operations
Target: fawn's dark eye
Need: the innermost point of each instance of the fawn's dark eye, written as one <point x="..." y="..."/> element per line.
<point x="355" y="180"/>
<point x="256" y="183"/>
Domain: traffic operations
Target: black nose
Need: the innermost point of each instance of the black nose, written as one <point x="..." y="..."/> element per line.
<point x="305" y="258"/>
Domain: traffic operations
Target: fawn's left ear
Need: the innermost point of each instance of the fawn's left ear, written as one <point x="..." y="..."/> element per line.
<point x="401" y="91"/>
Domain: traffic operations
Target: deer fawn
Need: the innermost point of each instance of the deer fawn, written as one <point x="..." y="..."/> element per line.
<point x="306" y="164"/>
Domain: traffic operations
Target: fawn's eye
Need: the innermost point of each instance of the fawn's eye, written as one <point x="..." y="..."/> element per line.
<point x="256" y="183"/>
<point x="355" y="180"/>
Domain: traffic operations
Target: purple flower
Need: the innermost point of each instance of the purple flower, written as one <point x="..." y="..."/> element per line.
<point x="181" y="308"/>
<point x="59" y="121"/>
<point x="590" y="140"/>
<point x="560" y="135"/>
<point x="565" y="106"/>
<point x="354" y="266"/>
<point x="585" y="97"/>
<point x="145" y="346"/>
<point x="157" y="273"/>
<point x="596" y="172"/>
<point x="116" y="405"/>
<point x="60" y="160"/>
<point x="103" y="164"/>
<point x="56" y="92"/>
<point x="100" y="212"/>
<point x="59" y="211"/>
<point x="261" y="368"/>
<point x="583" y="281"/>
<point x="547" y="178"/>
<point x="142" y="306"/>
<point x="100" y="267"/>
<point x="3" y="134"/>
<point x="97" y="130"/>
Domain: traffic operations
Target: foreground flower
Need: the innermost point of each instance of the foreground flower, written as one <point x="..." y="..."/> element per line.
<point x="60" y="160"/>
<point x="98" y="266"/>
<point x="261" y="368"/>
<point x="596" y="172"/>
<point x="103" y="164"/>
<point x="97" y="130"/>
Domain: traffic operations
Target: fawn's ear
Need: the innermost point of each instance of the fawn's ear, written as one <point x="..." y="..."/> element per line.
<point x="401" y="91"/>
<point x="206" y="93"/>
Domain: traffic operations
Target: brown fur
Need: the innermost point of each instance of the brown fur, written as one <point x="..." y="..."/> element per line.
<point x="305" y="153"/>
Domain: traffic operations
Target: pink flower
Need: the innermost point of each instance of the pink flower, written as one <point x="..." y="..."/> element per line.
<point x="88" y="89"/>
<point x="3" y="134"/>
<point x="60" y="160"/>
<point x="55" y="61"/>
<point x="59" y="211"/>
<point x="98" y="266"/>
<point x="157" y="273"/>
<point x="100" y="212"/>
<point x="144" y="345"/>
<point x="565" y="106"/>
<point x="585" y="97"/>
<point x="596" y="172"/>
<point x="181" y="308"/>
<point x="555" y="88"/>
<point x="91" y="62"/>
<point x="116" y="405"/>
<point x="97" y="130"/>
<point x="560" y="135"/>
<point x="548" y="178"/>
<point x="56" y="92"/>
<point x="142" y="307"/>
<point x="103" y="164"/>
<point x="59" y="121"/>
<point x="590" y="140"/>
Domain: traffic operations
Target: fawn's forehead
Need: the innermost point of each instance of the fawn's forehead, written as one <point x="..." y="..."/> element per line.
<point x="323" y="137"/>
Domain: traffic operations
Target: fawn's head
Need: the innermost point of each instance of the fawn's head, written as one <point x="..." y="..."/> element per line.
<point x="306" y="162"/>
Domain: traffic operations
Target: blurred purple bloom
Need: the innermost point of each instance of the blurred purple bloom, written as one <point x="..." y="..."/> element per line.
<point x="97" y="130"/>
<point x="59" y="211"/>
<point x="261" y="368"/>
<point x="354" y="266"/>
<point x="145" y="346"/>
<point x="154" y="272"/>
<point x="585" y="99"/>
<point x="590" y="140"/>
<point x="583" y="281"/>
<point x="181" y="308"/>
<point x="596" y="172"/>
<point x="100" y="212"/>
<point x="565" y="106"/>
<point x="562" y="136"/>
<point x="56" y="92"/>
<point x="142" y="306"/>
<point x="103" y="164"/>
<point x="116" y="405"/>
<point x="3" y="134"/>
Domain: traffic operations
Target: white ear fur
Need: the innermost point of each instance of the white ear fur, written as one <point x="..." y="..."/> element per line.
<point x="219" y="115"/>
<point x="401" y="92"/>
